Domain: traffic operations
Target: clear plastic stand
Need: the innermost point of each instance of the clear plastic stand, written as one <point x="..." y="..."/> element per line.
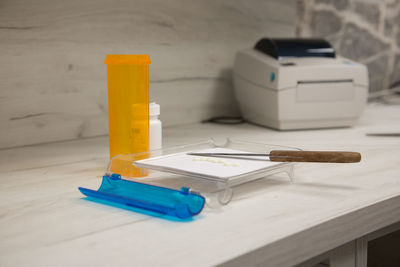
<point x="216" y="191"/>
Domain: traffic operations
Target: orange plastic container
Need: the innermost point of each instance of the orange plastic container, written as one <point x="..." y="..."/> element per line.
<point x="128" y="106"/>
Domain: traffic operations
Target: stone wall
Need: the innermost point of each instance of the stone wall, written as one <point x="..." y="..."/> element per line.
<point x="367" y="31"/>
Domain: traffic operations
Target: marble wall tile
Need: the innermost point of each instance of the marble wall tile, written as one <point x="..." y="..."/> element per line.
<point x="53" y="77"/>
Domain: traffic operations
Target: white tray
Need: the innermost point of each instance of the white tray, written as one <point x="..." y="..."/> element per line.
<point x="216" y="190"/>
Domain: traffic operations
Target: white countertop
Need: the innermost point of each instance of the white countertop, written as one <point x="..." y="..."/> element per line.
<point x="44" y="220"/>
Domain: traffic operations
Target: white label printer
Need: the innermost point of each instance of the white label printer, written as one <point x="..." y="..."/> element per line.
<point x="298" y="84"/>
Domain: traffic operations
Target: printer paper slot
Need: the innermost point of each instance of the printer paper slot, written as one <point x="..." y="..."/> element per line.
<point x="324" y="92"/>
<point x="326" y="81"/>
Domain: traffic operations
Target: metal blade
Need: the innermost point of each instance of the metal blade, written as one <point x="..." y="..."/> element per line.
<point x="228" y="154"/>
<point x="241" y="155"/>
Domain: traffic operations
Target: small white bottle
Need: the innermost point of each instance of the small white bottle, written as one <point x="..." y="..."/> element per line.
<point x="155" y="128"/>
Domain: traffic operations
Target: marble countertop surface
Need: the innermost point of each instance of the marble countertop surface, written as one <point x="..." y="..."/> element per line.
<point x="45" y="221"/>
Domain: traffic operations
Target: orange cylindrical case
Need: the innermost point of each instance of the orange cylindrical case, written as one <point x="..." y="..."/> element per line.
<point x="128" y="103"/>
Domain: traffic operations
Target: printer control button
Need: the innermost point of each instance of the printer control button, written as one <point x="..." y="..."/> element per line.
<point x="271" y="77"/>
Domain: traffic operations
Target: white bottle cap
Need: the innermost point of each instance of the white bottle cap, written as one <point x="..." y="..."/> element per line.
<point x="154" y="109"/>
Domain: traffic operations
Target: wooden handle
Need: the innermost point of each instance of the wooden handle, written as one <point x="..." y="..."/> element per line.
<point x="315" y="156"/>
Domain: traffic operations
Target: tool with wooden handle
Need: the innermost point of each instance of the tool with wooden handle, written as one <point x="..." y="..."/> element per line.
<point x="296" y="156"/>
